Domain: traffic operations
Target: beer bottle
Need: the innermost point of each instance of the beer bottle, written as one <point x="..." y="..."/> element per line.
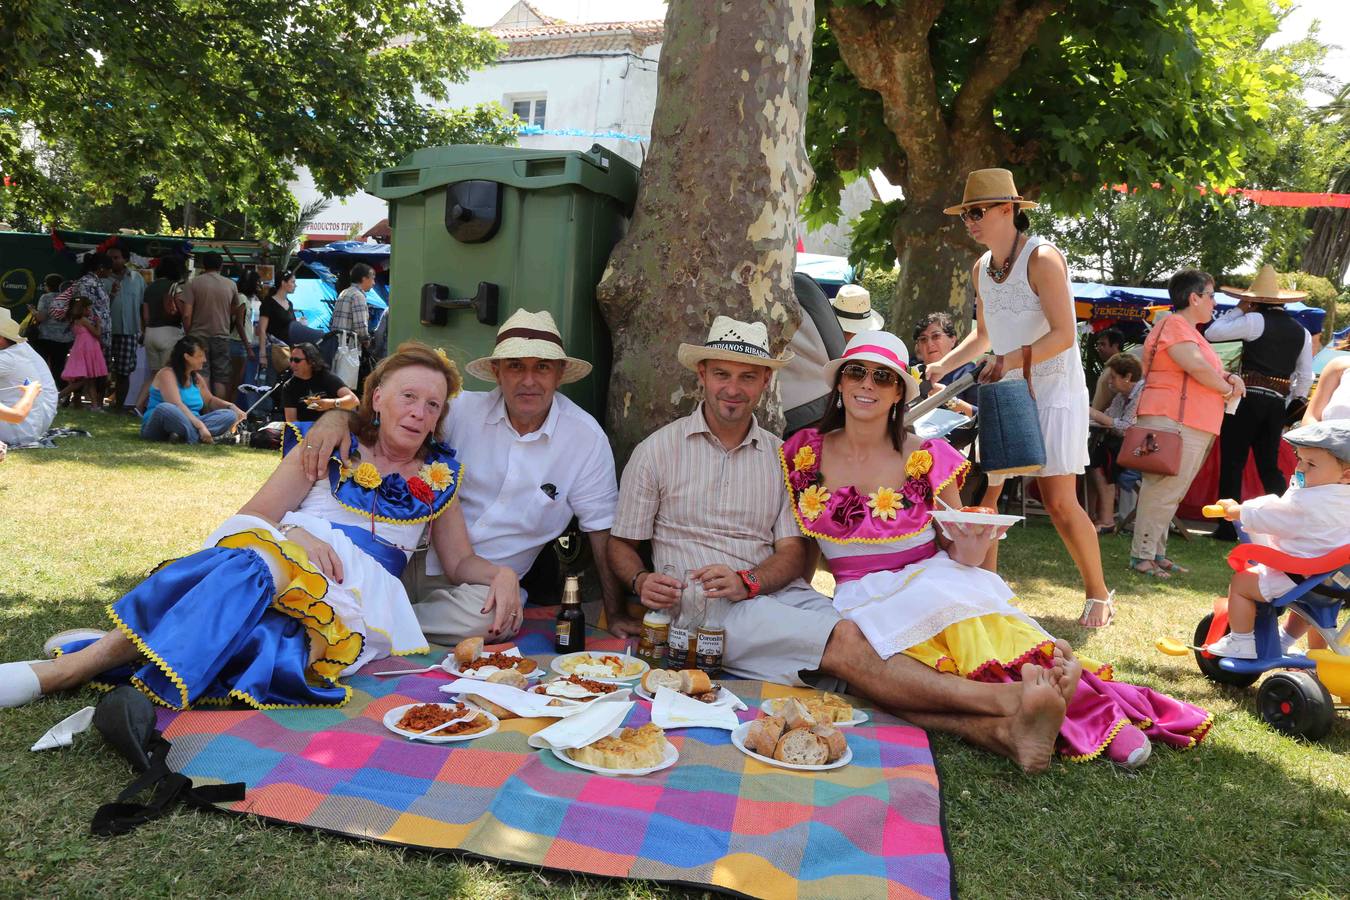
<point x="683" y="630"/>
<point x="711" y="638"/>
<point x="569" y="632"/>
<point x="655" y="637"/>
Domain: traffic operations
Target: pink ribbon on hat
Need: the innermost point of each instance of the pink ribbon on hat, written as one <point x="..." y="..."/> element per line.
<point x="879" y="351"/>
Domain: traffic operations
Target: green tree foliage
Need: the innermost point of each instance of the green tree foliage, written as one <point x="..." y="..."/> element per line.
<point x="221" y="101"/>
<point x="1069" y="94"/>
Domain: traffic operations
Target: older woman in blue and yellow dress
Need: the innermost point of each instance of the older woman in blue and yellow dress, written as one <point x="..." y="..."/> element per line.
<point x="301" y="586"/>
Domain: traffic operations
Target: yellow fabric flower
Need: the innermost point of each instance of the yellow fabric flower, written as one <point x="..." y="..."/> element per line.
<point x="367" y="476"/>
<point x="812" y="501"/>
<point x="438" y="475"/>
<point x="885" y="503"/>
<point x="804" y="459"/>
<point x="919" y="463"/>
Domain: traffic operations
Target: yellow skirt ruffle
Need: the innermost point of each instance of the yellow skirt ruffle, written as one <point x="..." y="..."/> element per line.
<point x="991" y="648"/>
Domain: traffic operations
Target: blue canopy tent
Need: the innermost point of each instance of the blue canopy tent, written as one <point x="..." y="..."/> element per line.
<point x="314" y="297"/>
<point x="1106" y="301"/>
<point x="830" y="272"/>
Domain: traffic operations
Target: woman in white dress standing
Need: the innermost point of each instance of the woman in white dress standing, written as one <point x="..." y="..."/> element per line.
<point x="1023" y="298"/>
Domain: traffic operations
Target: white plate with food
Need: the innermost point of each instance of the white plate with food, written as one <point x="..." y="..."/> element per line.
<point x="856" y="715"/>
<point x="740" y="735"/>
<point x="611" y="667"/>
<point x="972" y="517"/>
<point x="412" y="719"/>
<point x="468" y="660"/>
<point x="607" y="756"/>
<point x="723" y="697"/>
<point x="575" y="689"/>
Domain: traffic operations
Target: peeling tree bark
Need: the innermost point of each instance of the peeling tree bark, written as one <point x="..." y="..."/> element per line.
<point x="1327" y="250"/>
<point x="887" y="50"/>
<point x="715" y="226"/>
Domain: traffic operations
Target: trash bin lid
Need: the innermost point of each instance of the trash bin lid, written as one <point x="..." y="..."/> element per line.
<point x="599" y="170"/>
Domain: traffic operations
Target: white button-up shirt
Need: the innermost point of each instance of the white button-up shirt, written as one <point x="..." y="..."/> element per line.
<point x="510" y="513"/>
<point x="1235" y="325"/>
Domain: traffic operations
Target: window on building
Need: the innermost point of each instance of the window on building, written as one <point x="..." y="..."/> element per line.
<point x="529" y="109"/>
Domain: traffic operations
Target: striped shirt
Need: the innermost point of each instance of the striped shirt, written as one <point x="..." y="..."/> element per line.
<point x="701" y="504"/>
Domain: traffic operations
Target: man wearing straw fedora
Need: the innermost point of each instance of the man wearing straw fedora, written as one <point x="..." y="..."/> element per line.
<point x="532" y="460"/>
<point x="707" y="490"/>
<point x="1277" y="370"/>
<point x="27" y="389"/>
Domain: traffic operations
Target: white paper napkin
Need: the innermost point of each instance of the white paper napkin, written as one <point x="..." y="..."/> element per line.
<point x="671" y="709"/>
<point x="526" y="704"/>
<point x="587" y="726"/>
<point x="62" y="734"/>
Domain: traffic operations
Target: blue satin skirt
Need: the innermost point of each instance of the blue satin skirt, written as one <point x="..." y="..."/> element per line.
<point x="214" y="630"/>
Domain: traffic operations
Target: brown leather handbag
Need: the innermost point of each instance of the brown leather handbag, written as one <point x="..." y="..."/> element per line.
<point x="1150" y="448"/>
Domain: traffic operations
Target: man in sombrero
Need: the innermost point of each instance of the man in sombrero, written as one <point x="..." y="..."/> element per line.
<point x="532" y="461"/>
<point x="1277" y="370"/>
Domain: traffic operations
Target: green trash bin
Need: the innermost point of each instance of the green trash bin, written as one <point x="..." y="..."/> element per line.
<point x="480" y="232"/>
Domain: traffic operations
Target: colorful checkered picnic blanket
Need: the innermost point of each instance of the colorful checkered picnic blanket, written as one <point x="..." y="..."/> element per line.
<point x="716" y="819"/>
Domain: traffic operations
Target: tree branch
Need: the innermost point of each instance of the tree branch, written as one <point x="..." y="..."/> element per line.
<point x="1010" y="36"/>
<point x="889" y="54"/>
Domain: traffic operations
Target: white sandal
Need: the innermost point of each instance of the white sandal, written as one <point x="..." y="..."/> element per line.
<point x="1110" y="603"/>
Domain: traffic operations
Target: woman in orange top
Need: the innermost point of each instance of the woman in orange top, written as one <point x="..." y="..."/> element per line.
<point x="1184" y="383"/>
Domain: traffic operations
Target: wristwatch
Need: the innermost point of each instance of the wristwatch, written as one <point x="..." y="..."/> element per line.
<point x="751" y="582"/>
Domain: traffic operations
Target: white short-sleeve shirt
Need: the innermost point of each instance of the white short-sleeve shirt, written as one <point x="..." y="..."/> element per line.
<point x="520" y="491"/>
<point x="21" y="362"/>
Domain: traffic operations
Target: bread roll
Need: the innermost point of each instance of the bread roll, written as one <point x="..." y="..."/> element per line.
<point x="834" y="740"/>
<point x="695" y="681"/>
<point x="802" y="748"/>
<point x="763" y="734"/>
<point x="658" y="678"/>
<point x="467" y="650"/>
<point x="509" y="676"/>
<point x="503" y="676"/>
<point x="795" y="713"/>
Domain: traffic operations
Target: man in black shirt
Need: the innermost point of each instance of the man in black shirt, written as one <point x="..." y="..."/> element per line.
<point x="313" y="389"/>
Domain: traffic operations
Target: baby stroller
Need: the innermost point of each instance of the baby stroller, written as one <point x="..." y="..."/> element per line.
<point x="1296" y="700"/>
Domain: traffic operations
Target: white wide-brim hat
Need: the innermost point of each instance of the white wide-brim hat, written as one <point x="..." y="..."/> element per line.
<point x="853" y="308"/>
<point x="1265" y="289"/>
<point x="10" y="328"/>
<point x="733" y="341"/>
<point x="529" y="335"/>
<point x="881" y="348"/>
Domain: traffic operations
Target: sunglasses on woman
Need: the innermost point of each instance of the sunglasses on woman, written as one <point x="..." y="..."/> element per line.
<point x="880" y="377"/>
<point x="976" y="213"/>
<point x="295" y="359"/>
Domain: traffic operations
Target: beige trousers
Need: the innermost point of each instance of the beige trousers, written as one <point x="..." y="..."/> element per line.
<point x="448" y="613"/>
<point x="1159" y="495"/>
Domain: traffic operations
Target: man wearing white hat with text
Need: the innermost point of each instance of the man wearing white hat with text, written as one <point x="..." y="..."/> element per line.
<point x="708" y="491"/>
<point x="532" y="460"/>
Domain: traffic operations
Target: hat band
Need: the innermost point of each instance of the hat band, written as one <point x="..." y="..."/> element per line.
<point x="529" y="334"/>
<point x="843" y="314"/>
<point x="738" y="347"/>
<point x="879" y="351"/>
<point x="991" y="200"/>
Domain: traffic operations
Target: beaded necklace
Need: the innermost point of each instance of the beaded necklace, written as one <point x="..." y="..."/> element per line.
<point x="1001" y="274"/>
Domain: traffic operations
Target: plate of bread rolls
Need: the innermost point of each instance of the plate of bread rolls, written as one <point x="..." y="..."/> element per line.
<point x="690" y="682"/>
<point x="825" y="707"/>
<point x="628" y="751"/>
<point x="794" y="740"/>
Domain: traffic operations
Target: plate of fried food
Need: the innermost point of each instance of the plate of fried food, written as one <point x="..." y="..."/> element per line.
<point x="440" y="723"/>
<point x="807" y="746"/>
<point x="607" y="667"/>
<point x="827" y="707"/>
<point x="574" y="689"/>
<point x="628" y="751"/>
<point x="690" y="682"/>
<point x="469" y="661"/>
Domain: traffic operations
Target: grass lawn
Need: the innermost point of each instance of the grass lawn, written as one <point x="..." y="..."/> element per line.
<point x="1249" y="813"/>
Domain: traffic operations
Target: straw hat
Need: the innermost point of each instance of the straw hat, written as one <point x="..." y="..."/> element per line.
<point x="853" y="308"/>
<point x="1265" y="288"/>
<point x="733" y="341"/>
<point x="989" y="186"/>
<point x="880" y="347"/>
<point x="9" y="328"/>
<point x="529" y="335"/>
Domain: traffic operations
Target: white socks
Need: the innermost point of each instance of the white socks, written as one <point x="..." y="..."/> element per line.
<point x="18" y="684"/>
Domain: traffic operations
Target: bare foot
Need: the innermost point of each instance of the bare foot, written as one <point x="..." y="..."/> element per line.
<point x="1068" y="669"/>
<point x="1032" y="730"/>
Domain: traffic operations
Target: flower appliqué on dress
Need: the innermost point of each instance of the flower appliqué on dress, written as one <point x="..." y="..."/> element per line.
<point x="805" y="458"/>
<point x="813" y="500"/>
<point x="421" y="490"/>
<point x="885" y="503"/>
<point x="920" y="463"/>
<point x="437" y="475"/>
<point x="367" y="476"/>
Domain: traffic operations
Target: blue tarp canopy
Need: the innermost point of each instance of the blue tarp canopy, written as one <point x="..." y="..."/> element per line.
<point x="830" y="272"/>
<point x="314" y="297"/>
<point x="1104" y="296"/>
